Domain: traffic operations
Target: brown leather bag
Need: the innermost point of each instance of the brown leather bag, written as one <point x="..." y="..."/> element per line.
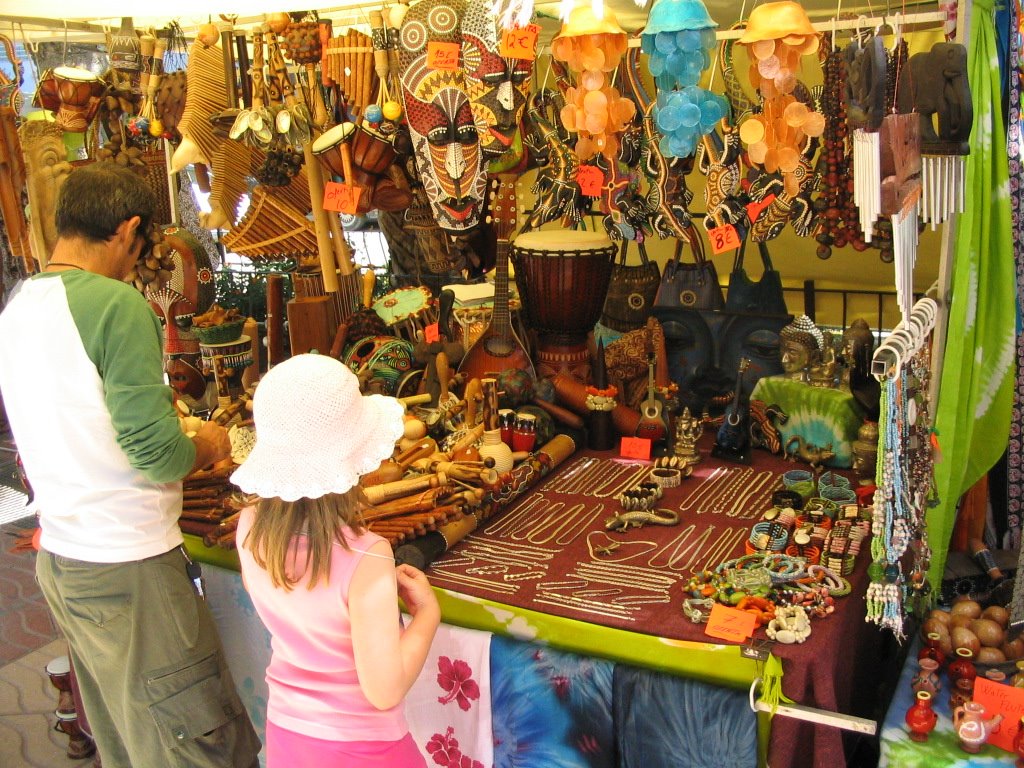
<point x="631" y="291"/>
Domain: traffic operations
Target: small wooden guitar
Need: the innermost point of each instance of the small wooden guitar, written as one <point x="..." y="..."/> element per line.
<point x="652" y="420"/>
<point x="499" y="349"/>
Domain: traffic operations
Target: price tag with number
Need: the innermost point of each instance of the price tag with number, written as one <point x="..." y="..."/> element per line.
<point x="519" y="43"/>
<point x="635" y="448"/>
<point x="724" y="238"/>
<point x="730" y="623"/>
<point x="343" y="198"/>
<point x="442" y="55"/>
<point x="431" y="333"/>
<point x="591" y="180"/>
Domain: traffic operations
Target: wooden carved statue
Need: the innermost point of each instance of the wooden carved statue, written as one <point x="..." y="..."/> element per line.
<point x="935" y="83"/>
<point x="47" y="167"/>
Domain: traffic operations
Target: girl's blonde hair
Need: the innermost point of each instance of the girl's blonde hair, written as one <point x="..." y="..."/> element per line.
<point x="273" y="537"/>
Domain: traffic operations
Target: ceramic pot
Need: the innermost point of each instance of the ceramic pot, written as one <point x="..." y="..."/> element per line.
<point x="932" y="649"/>
<point x="921" y="718"/>
<point x="962" y="666"/>
<point x="972" y="729"/>
<point x="926" y="678"/>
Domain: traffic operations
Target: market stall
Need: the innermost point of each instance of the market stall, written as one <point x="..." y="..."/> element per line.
<point x="609" y="448"/>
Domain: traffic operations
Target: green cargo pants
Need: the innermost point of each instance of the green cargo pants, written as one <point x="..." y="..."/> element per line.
<point x="152" y="674"/>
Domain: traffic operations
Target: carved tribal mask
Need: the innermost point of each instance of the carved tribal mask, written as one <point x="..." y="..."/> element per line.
<point x="442" y="127"/>
<point x="498" y="87"/>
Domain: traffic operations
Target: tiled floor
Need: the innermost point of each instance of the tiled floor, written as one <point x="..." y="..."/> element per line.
<point x="28" y="642"/>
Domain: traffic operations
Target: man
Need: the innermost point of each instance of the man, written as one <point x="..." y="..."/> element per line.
<point x="82" y="380"/>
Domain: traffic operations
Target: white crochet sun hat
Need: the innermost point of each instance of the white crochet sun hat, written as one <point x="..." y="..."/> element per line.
<point x="315" y="432"/>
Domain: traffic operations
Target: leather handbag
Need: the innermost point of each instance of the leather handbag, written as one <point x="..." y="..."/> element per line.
<point x="761" y="297"/>
<point x="631" y="291"/>
<point x="690" y="286"/>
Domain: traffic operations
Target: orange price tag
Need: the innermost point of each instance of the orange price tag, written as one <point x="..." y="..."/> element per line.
<point x="519" y="43"/>
<point x="635" y="448"/>
<point x="343" y="198"/>
<point x="730" y="623"/>
<point x="442" y="55"/>
<point x="432" y="333"/>
<point x="590" y="180"/>
<point x="724" y="238"/>
<point x="1000" y="699"/>
<point x="754" y="209"/>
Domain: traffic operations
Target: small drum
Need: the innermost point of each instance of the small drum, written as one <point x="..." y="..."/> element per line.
<point x="227" y="362"/>
<point x="328" y="148"/>
<point x="47" y="94"/>
<point x="381" y="361"/>
<point x="80" y="93"/>
<point x="406" y="311"/>
<point x="563" y="278"/>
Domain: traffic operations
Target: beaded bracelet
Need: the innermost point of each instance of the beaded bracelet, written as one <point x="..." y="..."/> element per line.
<point x="698" y="610"/>
<point x="837" y="494"/>
<point x="769" y="535"/>
<point x="817" y="507"/>
<point x="666" y="477"/>
<point x="784" y="516"/>
<point x="796" y="476"/>
<point x="831" y="479"/>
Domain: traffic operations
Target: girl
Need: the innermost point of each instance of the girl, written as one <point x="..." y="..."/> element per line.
<point x="324" y="586"/>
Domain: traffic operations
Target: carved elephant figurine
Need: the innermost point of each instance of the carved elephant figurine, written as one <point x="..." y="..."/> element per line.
<point x="935" y="83"/>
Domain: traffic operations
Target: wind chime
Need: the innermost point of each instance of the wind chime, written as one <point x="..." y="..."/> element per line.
<point x="935" y="83"/>
<point x="679" y="39"/>
<point x="865" y="96"/>
<point x="592" y="47"/>
<point x="777" y="36"/>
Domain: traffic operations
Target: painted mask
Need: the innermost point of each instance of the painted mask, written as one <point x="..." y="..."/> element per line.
<point x="498" y="87"/>
<point x="442" y="127"/>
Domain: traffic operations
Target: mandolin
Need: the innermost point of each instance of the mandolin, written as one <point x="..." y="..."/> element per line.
<point x="499" y="349"/>
<point x="733" y="439"/>
<point x="652" y="420"/>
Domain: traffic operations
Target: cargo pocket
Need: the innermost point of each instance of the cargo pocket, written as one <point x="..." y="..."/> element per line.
<point x="191" y="720"/>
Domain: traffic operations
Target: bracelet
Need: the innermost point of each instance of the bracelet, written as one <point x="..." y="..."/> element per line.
<point x="698" y="610"/>
<point x="838" y="494"/>
<point x="666" y="477"/>
<point x="784" y="497"/>
<point x="831" y="479"/>
<point x="796" y="476"/>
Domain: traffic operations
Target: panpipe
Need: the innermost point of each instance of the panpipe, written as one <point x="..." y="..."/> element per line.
<point x="275" y="224"/>
<point x="347" y="62"/>
<point x="231" y="161"/>
<point x="204" y="97"/>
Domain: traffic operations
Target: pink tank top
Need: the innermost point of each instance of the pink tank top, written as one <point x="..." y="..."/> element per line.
<point x="314" y="689"/>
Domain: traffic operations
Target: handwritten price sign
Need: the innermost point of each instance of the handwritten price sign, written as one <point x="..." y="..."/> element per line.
<point x="519" y="43"/>
<point x="442" y="55"/>
<point x="730" y="623"/>
<point x="590" y="180"/>
<point x="754" y="209"/>
<point x="432" y="333"/>
<point x="343" y="198"/>
<point x="635" y="448"/>
<point x="1005" y="700"/>
<point x="724" y="238"/>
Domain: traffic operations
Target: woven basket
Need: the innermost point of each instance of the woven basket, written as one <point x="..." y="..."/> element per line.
<point x="219" y="334"/>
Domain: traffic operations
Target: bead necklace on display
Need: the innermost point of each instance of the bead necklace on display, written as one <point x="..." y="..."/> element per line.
<point x="720" y="483"/>
<point x="571" y="474"/>
<point x="629" y="482"/>
<point x="566" y="526"/>
<point x="745" y="507"/>
<point x="511" y="520"/>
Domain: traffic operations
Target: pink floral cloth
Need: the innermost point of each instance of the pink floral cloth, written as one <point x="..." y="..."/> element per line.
<point x="449" y="707"/>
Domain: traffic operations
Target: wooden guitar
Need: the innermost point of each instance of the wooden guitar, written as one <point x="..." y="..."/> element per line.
<point x="499" y="349"/>
<point x="652" y="420"/>
<point x="733" y="439"/>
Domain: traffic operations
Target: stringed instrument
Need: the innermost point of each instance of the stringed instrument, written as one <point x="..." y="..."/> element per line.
<point x="652" y="419"/>
<point x="498" y="348"/>
<point x="733" y="439"/>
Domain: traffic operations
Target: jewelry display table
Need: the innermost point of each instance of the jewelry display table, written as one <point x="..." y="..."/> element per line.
<point x="626" y="606"/>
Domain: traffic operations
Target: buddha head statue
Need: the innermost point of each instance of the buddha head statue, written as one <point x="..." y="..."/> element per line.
<point x="800" y="345"/>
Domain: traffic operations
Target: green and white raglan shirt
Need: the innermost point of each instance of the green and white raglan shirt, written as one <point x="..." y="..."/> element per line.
<point x="82" y="381"/>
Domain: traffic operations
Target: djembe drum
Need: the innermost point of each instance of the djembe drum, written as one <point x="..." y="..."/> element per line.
<point x="80" y="93"/>
<point x="227" y="362"/>
<point x="407" y="311"/>
<point x="563" y="278"/>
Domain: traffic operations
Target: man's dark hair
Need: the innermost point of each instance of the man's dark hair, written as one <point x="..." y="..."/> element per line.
<point x="95" y="199"/>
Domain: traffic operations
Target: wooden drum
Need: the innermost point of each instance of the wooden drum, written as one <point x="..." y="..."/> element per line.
<point x="407" y="311"/>
<point x="80" y="93"/>
<point x="227" y="362"/>
<point x="328" y="148"/>
<point x="563" y="278"/>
